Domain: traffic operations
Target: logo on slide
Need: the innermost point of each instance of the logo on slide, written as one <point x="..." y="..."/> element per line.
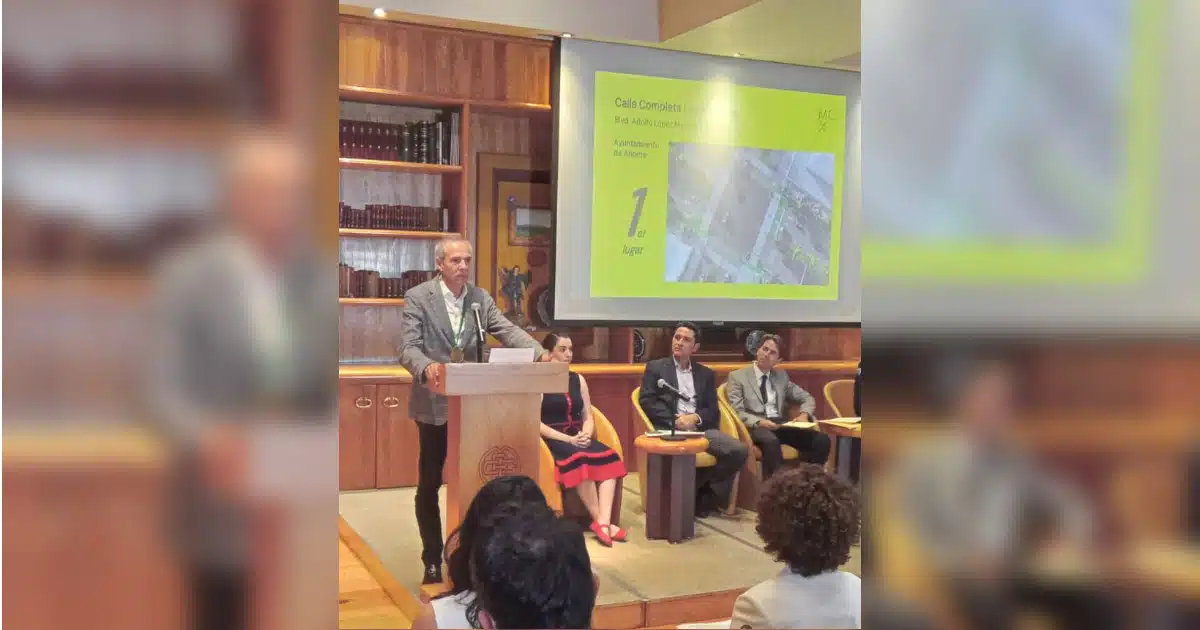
<point x="499" y="461"/>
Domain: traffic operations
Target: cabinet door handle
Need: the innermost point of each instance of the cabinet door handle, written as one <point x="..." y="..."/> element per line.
<point x="363" y="402"/>
<point x="391" y="402"/>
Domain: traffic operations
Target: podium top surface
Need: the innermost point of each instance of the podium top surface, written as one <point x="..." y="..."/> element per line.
<point x="474" y="379"/>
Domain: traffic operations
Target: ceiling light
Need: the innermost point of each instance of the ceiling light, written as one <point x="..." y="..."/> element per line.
<point x="567" y="35"/>
<point x="380" y="13"/>
<point x="738" y="55"/>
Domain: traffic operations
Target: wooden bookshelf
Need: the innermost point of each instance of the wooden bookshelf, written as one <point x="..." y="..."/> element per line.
<point x="406" y="99"/>
<point x="371" y="301"/>
<point x="400" y="167"/>
<point x="360" y="233"/>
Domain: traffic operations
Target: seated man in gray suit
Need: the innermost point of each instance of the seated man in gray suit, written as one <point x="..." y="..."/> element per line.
<point x="760" y="394"/>
<point x="439" y="327"/>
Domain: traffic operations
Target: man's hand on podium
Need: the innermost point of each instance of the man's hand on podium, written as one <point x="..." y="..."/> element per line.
<point x="433" y="375"/>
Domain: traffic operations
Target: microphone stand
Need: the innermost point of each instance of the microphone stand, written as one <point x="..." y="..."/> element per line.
<point x="672" y="437"/>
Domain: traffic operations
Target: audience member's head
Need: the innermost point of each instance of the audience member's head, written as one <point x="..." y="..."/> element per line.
<point x="685" y="341"/>
<point x="531" y="570"/>
<point x="560" y="346"/>
<point x="809" y="519"/>
<point x="508" y="490"/>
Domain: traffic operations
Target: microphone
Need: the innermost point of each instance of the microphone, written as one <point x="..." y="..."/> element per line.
<point x="667" y="386"/>
<point x="479" y="329"/>
<point x="663" y="384"/>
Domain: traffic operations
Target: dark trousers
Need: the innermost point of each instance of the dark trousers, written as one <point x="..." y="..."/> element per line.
<point x="429" y="480"/>
<point x="717" y="481"/>
<point x="813" y="447"/>
<point x="219" y="599"/>
<point x="995" y="605"/>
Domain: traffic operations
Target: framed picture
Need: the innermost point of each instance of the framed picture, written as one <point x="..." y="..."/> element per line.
<point x="528" y="227"/>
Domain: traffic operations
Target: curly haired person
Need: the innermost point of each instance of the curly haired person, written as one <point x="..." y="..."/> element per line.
<point x="809" y="519"/>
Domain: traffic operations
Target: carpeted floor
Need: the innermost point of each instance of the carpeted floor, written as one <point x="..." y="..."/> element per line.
<point x="726" y="553"/>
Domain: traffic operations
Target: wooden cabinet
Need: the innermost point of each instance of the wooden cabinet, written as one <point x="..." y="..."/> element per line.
<point x="397" y="443"/>
<point x="86" y="535"/>
<point x="357" y="406"/>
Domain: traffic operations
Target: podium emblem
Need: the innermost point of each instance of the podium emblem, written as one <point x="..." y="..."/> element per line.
<point x="499" y="461"/>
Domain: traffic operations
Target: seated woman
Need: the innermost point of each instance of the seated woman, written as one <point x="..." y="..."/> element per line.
<point x="450" y="610"/>
<point x="590" y="467"/>
<point x="809" y="519"/>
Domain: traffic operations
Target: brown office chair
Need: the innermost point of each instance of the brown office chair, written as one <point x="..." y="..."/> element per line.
<point x="703" y="460"/>
<point x="571" y="505"/>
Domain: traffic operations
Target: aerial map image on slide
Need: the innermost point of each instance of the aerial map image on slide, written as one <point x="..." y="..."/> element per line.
<point x="748" y="216"/>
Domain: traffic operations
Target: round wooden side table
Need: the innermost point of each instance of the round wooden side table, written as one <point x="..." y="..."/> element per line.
<point x="670" y="500"/>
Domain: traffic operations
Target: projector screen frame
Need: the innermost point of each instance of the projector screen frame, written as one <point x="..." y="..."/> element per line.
<point x="556" y="322"/>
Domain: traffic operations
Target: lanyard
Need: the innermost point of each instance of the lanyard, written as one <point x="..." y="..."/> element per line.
<point x="462" y="319"/>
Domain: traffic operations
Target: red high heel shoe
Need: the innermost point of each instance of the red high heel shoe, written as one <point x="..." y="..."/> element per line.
<point x="618" y="534"/>
<point x="598" y="530"/>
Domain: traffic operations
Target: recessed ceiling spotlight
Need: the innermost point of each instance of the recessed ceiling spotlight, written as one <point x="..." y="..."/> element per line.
<point x="567" y="35"/>
<point x="738" y="55"/>
<point x="380" y="13"/>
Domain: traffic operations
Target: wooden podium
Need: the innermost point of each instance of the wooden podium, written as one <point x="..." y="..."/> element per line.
<point x="495" y="409"/>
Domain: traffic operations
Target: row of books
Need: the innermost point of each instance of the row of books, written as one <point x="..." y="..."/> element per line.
<point x="424" y="142"/>
<point x="362" y="283"/>
<point x="383" y="216"/>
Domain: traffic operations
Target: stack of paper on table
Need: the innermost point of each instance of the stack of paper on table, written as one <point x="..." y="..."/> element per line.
<point x="799" y="424"/>
<point x="849" y="423"/>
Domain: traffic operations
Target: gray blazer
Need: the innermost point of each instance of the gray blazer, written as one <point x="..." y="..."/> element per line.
<point x="427" y="338"/>
<point x="747" y="401"/>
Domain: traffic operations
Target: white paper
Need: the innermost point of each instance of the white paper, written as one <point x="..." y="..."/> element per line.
<point x="687" y="433"/>
<point x="511" y="355"/>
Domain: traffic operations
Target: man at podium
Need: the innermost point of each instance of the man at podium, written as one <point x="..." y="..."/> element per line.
<point x="445" y="321"/>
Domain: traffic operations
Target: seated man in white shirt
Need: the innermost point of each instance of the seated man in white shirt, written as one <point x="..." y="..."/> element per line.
<point x="761" y="394"/>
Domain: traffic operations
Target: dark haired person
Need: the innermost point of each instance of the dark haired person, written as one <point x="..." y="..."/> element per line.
<point x="699" y="413"/>
<point x="531" y="569"/>
<point x="502" y="493"/>
<point x="581" y="462"/>
<point x="764" y="398"/>
<point x="809" y="519"/>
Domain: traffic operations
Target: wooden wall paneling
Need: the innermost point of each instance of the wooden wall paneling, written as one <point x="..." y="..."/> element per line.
<point x="431" y="61"/>
<point x="357" y="404"/>
<point x="620" y="345"/>
<point x="397" y="446"/>
<point x="462" y="222"/>
<point x="818" y="344"/>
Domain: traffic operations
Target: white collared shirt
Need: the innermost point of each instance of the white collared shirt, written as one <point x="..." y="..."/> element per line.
<point x="454" y="308"/>
<point x="772" y="401"/>
<point x="265" y="312"/>
<point x="687" y="386"/>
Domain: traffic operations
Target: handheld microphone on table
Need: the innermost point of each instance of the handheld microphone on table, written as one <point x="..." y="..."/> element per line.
<point x="663" y="384"/>
<point x="479" y="329"/>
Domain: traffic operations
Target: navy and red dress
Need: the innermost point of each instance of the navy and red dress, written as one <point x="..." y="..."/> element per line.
<point x="564" y="413"/>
